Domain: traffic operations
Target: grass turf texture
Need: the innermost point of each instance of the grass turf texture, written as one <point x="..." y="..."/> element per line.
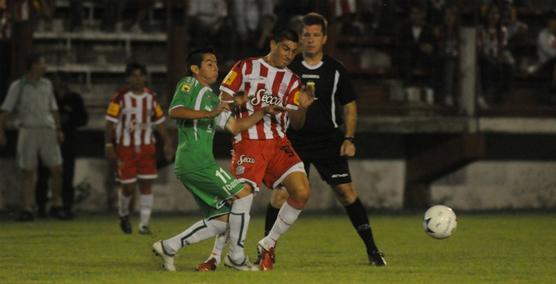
<point x="486" y="248"/>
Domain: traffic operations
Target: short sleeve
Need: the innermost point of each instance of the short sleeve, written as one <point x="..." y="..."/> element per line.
<point x="222" y="119"/>
<point x="232" y="83"/>
<point x="158" y="114"/>
<point x="346" y="92"/>
<point x="183" y="96"/>
<point x="114" y="109"/>
<point x="10" y="101"/>
<point x="292" y="98"/>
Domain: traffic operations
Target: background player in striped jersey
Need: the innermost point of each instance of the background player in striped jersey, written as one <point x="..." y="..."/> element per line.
<point x="197" y="111"/>
<point x="321" y="141"/>
<point x="263" y="152"/>
<point x="131" y="117"/>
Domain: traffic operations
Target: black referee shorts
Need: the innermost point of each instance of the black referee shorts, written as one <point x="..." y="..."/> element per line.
<point x="325" y="156"/>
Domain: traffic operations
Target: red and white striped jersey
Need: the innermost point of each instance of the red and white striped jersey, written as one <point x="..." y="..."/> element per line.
<point x="265" y="85"/>
<point x="135" y="115"/>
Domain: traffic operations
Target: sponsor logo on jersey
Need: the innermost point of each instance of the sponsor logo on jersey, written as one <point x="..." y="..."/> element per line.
<point x="254" y="79"/>
<point x="185" y="88"/>
<point x="240" y="170"/>
<point x="339" y="175"/>
<point x="310" y="76"/>
<point x="230" y="78"/>
<point x="265" y="97"/>
<point x="245" y="160"/>
<point x="113" y="109"/>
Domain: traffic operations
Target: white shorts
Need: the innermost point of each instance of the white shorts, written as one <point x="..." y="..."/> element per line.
<point x="33" y="143"/>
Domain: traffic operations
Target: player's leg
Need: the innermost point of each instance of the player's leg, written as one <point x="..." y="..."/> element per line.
<point x="49" y="151"/>
<point x="347" y="195"/>
<point x="127" y="176"/>
<point x="146" y="172"/>
<point x="238" y="224"/>
<point x="201" y="230"/>
<point x="277" y="198"/>
<point x="124" y="199"/>
<point x="145" y="205"/>
<point x="297" y="186"/>
<point x="215" y="256"/>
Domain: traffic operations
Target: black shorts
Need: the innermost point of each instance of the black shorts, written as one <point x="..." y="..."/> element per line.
<point x="324" y="154"/>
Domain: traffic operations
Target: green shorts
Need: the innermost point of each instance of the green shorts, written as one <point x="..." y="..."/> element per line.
<point x="212" y="188"/>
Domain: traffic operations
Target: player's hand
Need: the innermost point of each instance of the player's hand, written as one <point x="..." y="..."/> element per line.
<point x="240" y="98"/>
<point x="306" y="96"/>
<point x="3" y="139"/>
<point x="347" y="149"/>
<point x="218" y="109"/>
<point x="168" y="151"/>
<point x="273" y="109"/>
<point x="110" y="153"/>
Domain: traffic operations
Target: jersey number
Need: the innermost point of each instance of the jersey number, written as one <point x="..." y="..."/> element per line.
<point x="223" y="175"/>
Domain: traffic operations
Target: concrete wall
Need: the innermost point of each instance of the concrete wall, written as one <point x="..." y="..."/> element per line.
<point x="481" y="185"/>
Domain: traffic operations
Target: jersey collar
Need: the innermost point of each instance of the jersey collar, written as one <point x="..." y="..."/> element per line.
<point x="312" y="67"/>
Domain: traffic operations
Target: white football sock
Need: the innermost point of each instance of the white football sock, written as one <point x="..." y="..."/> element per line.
<point x="123" y="203"/>
<point x="219" y="244"/>
<point x="199" y="231"/>
<point x="286" y="218"/>
<point x="145" y="207"/>
<point x="238" y="224"/>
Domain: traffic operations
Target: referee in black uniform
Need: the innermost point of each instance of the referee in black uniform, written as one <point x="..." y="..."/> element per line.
<point x="321" y="142"/>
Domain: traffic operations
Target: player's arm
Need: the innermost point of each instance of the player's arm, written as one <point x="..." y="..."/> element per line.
<point x="350" y="115"/>
<point x="109" y="149"/>
<point x="168" y="147"/>
<point x="306" y="97"/>
<point x="182" y="112"/>
<point x="237" y="125"/>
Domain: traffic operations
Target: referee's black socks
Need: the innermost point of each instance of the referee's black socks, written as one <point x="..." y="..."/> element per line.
<point x="360" y="220"/>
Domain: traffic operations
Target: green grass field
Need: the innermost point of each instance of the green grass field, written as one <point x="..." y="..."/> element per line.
<point x="486" y="248"/>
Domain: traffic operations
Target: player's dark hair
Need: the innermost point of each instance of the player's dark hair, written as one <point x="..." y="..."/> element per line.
<point x="285" y="34"/>
<point x="32" y="59"/>
<point x="134" y="65"/>
<point x="195" y="57"/>
<point x="312" y="19"/>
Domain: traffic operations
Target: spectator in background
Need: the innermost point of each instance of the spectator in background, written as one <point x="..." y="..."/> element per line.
<point x="40" y="133"/>
<point x="72" y="115"/>
<point x="206" y="22"/>
<point x="417" y="50"/>
<point x="254" y="20"/>
<point x="495" y="60"/>
<point x="546" y="52"/>
<point x="436" y="12"/>
<point x="370" y="14"/>
<point x="448" y="51"/>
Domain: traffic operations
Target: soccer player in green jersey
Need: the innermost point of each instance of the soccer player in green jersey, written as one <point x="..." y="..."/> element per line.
<point x="223" y="199"/>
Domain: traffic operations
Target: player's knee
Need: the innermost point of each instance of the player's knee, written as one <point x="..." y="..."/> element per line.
<point x="278" y="197"/>
<point x="345" y="193"/>
<point x="299" y="197"/>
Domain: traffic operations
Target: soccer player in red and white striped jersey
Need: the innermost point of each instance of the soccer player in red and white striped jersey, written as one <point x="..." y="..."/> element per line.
<point x="263" y="153"/>
<point x="131" y="117"/>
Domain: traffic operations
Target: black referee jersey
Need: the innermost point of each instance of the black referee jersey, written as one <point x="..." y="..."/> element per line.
<point x="333" y="88"/>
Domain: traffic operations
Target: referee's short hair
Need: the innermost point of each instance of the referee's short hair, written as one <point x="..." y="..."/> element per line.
<point x="281" y="34"/>
<point x="315" y="19"/>
<point x="195" y="57"/>
<point x="134" y="65"/>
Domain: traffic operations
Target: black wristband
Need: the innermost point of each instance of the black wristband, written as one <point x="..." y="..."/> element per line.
<point x="350" y="138"/>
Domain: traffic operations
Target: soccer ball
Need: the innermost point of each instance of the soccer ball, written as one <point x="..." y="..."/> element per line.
<point x="440" y="221"/>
